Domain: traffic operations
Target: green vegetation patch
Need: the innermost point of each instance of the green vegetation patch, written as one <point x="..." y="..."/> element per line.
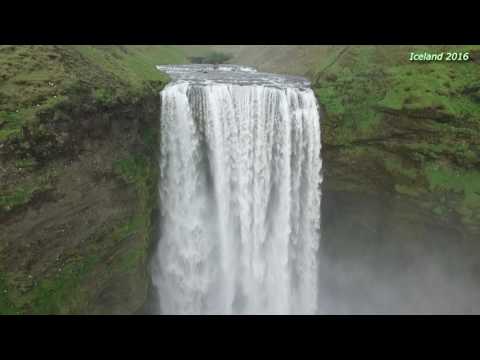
<point x="142" y="172"/>
<point x="465" y="183"/>
<point x="40" y="87"/>
<point x="43" y="79"/>
<point x="420" y="119"/>
<point x="63" y="292"/>
<point x="349" y="91"/>
<point x="396" y="166"/>
<point x="16" y="195"/>
<point x="6" y="305"/>
<point x="134" y="169"/>
<point x="60" y="292"/>
<point x="132" y="65"/>
<point x="437" y="86"/>
<point x="362" y="81"/>
<point x="10" y="124"/>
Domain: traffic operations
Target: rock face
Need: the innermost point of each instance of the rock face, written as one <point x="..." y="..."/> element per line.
<point x="405" y="129"/>
<point x="401" y="204"/>
<point x="78" y="176"/>
<point x="79" y="243"/>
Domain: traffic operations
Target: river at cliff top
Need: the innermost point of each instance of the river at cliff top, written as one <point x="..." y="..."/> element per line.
<point x="231" y="74"/>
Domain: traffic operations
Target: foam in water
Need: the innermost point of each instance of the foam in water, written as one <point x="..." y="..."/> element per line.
<point x="239" y="195"/>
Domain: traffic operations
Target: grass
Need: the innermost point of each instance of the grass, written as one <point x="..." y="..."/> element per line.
<point x="62" y="293"/>
<point x="59" y="293"/>
<point x="36" y="78"/>
<point x="349" y="92"/>
<point x="464" y="183"/>
<point x="459" y="151"/>
<point x="132" y="260"/>
<point x="142" y="172"/>
<point x="40" y="85"/>
<point x="368" y="78"/>
<point x="134" y="170"/>
<point x="127" y="65"/>
<point x="438" y="86"/>
<point x="435" y="103"/>
<point x="19" y="194"/>
<point x="446" y="178"/>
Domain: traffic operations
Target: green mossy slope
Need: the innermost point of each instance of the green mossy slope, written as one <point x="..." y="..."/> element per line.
<point x="409" y="128"/>
<point x="78" y="151"/>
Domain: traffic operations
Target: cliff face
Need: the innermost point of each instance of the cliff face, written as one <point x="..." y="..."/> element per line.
<point x="79" y="243"/>
<point x="401" y="190"/>
<point x="406" y="130"/>
<point x="78" y="188"/>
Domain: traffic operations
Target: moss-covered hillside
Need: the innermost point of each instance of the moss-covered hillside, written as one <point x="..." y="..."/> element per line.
<point x="34" y="79"/>
<point x="408" y="128"/>
<point x="78" y="133"/>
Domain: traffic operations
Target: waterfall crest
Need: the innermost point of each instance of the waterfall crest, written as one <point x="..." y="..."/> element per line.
<point x="240" y="174"/>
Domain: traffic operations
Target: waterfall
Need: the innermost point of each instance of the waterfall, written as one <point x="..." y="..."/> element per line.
<point x="240" y="174"/>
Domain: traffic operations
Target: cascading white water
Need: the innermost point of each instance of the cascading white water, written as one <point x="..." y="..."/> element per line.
<point x="239" y="195"/>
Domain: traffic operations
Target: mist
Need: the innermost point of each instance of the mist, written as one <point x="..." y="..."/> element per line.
<point x="373" y="260"/>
